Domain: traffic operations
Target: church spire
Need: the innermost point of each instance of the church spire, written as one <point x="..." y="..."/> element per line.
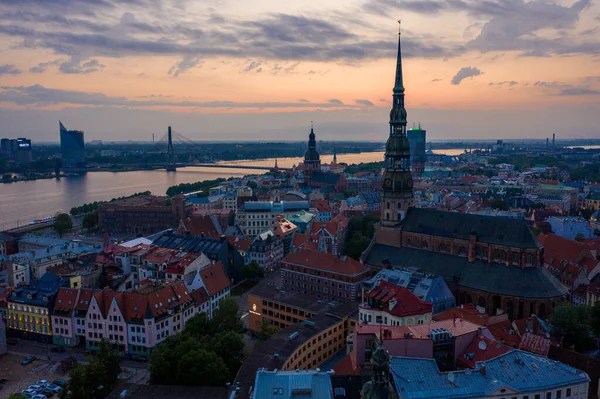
<point x="399" y="85"/>
<point x="397" y="180"/>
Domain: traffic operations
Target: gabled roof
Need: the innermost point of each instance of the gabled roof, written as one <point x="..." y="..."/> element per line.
<point x="503" y="332"/>
<point x="200" y="296"/>
<point x="489" y="229"/>
<point x="65" y="300"/>
<point x="398" y="301"/>
<point x="85" y="296"/>
<point x="324" y="261"/>
<point x="214" y="278"/>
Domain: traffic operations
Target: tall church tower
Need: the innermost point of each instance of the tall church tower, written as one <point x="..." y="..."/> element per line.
<point x="312" y="160"/>
<point x="397" y="184"/>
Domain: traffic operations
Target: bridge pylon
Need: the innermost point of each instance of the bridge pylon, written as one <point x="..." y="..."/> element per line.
<point x="170" y="166"/>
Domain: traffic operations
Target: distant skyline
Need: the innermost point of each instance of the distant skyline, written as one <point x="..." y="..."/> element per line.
<point x="262" y="70"/>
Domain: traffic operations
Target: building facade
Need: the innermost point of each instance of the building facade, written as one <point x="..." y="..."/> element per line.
<point x="392" y="305"/>
<point x="72" y="147"/>
<point x="30" y="307"/>
<point x="141" y="215"/>
<point x="417" y="138"/>
<point x="323" y="276"/>
<point x="256" y="216"/>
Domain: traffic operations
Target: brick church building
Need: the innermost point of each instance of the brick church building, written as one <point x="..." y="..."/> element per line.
<point x="493" y="262"/>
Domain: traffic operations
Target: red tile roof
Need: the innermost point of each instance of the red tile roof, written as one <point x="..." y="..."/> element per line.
<point x="467" y="312"/>
<point x="197" y="225"/>
<point x="306" y="241"/>
<point x="85" y="296"/>
<point x="561" y="248"/>
<point x="503" y="332"/>
<point x="535" y="344"/>
<point x="322" y="205"/>
<point x="347" y="366"/>
<point x="200" y="296"/>
<point x="65" y="300"/>
<point x="479" y="350"/>
<point x="240" y="245"/>
<point x="168" y="297"/>
<point x="214" y="278"/>
<point x="324" y="261"/>
<point x="403" y="303"/>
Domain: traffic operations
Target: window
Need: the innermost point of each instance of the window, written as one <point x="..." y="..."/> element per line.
<point x="568" y="392"/>
<point x="558" y="394"/>
<point x="549" y="395"/>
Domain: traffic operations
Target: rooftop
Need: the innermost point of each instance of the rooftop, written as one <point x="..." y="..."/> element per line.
<point x="309" y="384"/>
<point x="515" y="371"/>
<point x="324" y="261"/>
<point x="489" y="229"/>
<point x="529" y="282"/>
<point x="290" y="298"/>
<point x="396" y="300"/>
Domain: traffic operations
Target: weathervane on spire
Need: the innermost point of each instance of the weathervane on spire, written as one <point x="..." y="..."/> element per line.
<point x="311" y="124"/>
<point x="399" y="27"/>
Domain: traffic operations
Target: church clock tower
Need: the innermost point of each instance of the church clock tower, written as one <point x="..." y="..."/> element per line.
<point x="397" y="184"/>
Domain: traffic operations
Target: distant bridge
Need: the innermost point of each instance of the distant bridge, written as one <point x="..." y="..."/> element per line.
<point x="214" y="165"/>
<point x="171" y="166"/>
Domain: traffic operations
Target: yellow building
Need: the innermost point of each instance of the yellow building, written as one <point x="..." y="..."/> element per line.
<point x="30" y="306"/>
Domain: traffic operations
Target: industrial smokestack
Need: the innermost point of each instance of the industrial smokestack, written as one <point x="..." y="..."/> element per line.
<point x="547" y="140"/>
<point x="553" y="138"/>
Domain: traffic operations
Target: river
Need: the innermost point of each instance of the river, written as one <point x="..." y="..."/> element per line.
<point x="24" y="201"/>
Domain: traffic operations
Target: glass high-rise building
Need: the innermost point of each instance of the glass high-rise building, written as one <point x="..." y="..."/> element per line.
<point x="417" y="138"/>
<point x="72" y="147"/>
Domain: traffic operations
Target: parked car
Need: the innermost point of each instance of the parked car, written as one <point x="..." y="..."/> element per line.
<point x="28" y="360"/>
<point x="42" y="382"/>
<point x="35" y="387"/>
<point x="54" y="388"/>
<point x="60" y="383"/>
<point x="58" y="349"/>
<point x="39" y="396"/>
<point x="3" y="380"/>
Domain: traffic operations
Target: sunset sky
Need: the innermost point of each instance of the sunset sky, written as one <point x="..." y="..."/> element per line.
<point x="263" y="69"/>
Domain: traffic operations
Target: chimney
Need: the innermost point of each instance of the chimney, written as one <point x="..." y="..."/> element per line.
<point x="483" y="370"/>
<point x="553" y="139"/>
<point x="480" y="332"/>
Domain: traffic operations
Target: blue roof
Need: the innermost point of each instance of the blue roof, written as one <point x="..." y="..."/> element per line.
<point x="42" y="291"/>
<point x="515" y="371"/>
<point x="308" y="384"/>
<point x="270" y="206"/>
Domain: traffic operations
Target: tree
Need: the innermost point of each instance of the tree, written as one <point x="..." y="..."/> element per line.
<point x="15" y="396"/>
<point x="267" y="330"/>
<point x="252" y="185"/>
<point x="63" y="223"/>
<point x="253" y="271"/>
<point x="202" y="368"/>
<point x="579" y="237"/>
<point x="596" y="318"/>
<point x="574" y="325"/>
<point x="96" y="379"/>
<point x="227" y="316"/>
<point x="90" y="220"/>
<point x="499" y="204"/>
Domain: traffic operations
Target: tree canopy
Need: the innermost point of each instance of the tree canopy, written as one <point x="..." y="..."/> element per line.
<point x="253" y="270"/>
<point x="63" y="223"/>
<point x="574" y="325"/>
<point x="96" y="379"/>
<point x="360" y="231"/>
<point x="208" y="352"/>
